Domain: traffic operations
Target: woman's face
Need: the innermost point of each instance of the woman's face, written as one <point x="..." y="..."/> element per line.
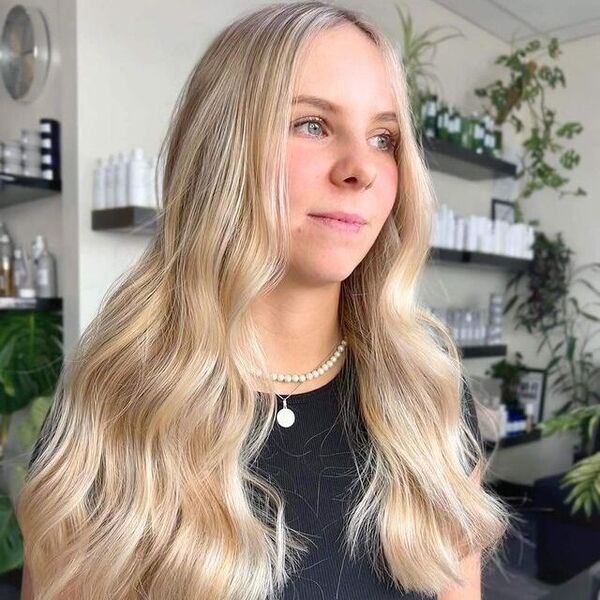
<point x="340" y="158"/>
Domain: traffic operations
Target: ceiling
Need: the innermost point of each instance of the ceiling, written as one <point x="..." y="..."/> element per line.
<point x="523" y="19"/>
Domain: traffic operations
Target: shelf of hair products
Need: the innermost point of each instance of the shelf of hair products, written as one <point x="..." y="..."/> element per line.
<point x="478" y="133"/>
<point x="26" y="276"/>
<point x="127" y="180"/>
<point x="475" y="326"/>
<point x="30" y="166"/>
<point x="477" y="233"/>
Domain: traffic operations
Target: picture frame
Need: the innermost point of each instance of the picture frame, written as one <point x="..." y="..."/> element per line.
<point x="503" y="210"/>
<point x="532" y="388"/>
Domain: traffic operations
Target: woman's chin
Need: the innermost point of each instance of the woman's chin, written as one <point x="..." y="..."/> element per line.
<point x="321" y="276"/>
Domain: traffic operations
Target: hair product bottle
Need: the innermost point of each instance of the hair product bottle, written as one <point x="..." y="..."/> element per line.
<point x="138" y="179"/>
<point x="99" y="201"/>
<point x="45" y="271"/>
<point x="19" y="269"/>
<point x="6" y="263"/>
<point x="121" y="168"/>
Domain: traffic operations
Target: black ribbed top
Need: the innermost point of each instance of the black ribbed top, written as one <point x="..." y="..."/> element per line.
<point x="312" y="465"/>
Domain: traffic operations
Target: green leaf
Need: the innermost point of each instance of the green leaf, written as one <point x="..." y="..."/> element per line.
<point x="11" y="540"/>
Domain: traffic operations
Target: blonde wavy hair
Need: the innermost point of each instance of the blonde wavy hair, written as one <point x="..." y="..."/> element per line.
<point x="144" y="485"/>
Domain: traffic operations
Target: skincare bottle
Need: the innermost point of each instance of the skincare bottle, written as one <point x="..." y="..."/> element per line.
<point x="137" y="179"/>
<point x="110" y="182"/>
<point x="121" y="181"/>
<point x="99" y="201"/>
<point x="6" y="264"/>
<point x="45" y="274"/>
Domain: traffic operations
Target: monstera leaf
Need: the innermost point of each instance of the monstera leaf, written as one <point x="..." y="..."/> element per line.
<point x="11" y="540"/>
<point x="31" y="356"/>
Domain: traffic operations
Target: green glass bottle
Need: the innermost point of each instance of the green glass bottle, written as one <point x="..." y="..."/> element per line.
<point x="489" y="141"/>
<point x="478" y="133"/>
<point x="455" y="126"/>
<point x="465" y="132"/>
<point x="498" y="142"/>
<point x="431" y="116"/>
<point x="442" y="122"/>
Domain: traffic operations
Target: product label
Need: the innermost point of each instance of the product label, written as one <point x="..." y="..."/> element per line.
<point x="43" y="278"/>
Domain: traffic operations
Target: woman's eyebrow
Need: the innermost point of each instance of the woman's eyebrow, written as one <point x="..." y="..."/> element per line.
<point x="334" y="108"/>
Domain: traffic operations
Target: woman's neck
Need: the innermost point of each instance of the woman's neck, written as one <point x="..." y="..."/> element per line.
<point x="299" y="331"/>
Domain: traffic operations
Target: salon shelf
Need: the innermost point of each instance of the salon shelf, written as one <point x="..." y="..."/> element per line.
<point x="125" y="219"/>
<point x="35" y="304"/>
<point x="16" y="189"/>
<point x="515" y="440"/>
<point x="511" y="263"/>
<point x="483" y="351"/>
<point x="450" y="158"/>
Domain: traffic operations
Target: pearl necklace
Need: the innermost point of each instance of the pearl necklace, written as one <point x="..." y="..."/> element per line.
<point x="285" y="416"/>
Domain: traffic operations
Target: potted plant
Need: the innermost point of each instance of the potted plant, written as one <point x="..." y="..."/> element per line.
<point x="31" y="358"/>
<point x="417" y="51"/>
<point x="510" y="375"/>
<point x="566" y="326"/>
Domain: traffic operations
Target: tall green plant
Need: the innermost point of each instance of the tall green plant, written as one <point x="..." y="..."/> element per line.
<point x="520" y="98"/>
<point x="417" y="53"/>
<point x="31" y="359"/>
<point x="549" y="308"/>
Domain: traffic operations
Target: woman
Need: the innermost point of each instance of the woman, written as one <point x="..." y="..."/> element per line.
<point x="171" y="467"/>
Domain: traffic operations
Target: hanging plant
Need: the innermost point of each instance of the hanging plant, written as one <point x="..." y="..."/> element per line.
<point x="521" y="98"/>
<point x="417" y="52"/>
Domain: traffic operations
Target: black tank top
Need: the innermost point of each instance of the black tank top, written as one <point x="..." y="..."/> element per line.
<point x="311" y="463"/>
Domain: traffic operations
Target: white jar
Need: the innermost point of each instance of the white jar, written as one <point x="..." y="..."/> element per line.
<point x="32" y="171"/>
<point x="32" y="157"/>
<point x="11" y="168"/>
<point x="12" y="151"/>
<point x="30" y="139"/>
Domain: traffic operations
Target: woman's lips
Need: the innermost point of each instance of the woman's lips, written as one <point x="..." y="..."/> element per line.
<point x="338" y="225"/>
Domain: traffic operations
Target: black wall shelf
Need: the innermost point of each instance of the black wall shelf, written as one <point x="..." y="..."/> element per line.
<point x="16" y="189"/>
<point x="515" y="440"/>
<point x="483" y="351"/>
<point x="447" y="255"/>
<point x="450" y="158"/>
<point x="126" y="219"/>
<point x="37" y="304"/>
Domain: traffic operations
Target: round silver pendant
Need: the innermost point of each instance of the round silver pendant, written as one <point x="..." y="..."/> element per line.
<point x="285" y="417"/>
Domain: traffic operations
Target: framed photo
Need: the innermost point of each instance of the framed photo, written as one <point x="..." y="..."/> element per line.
<point x="532" y="389"/>
<point x="503" y="210"/>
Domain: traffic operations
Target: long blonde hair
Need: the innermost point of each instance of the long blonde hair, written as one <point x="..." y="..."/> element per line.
<point x="144" y="486"/>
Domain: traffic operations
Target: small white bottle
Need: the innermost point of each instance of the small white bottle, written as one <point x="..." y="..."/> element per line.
<point x="110" y="182"/>
<point x="26" y="289"/>
<point x="19" y="272"/>
<point x="121" y="168"/>
<point x="37" y="247"/>
<point x="450" y="233"/>
<point x="99" y="201"/>
<point x="138" y="179"/>
<point x="502" y="421"/>
<point x="45" y="274"/>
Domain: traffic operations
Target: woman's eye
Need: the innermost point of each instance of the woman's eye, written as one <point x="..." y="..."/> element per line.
<point x="392" y="139"/>
<point x="309" y="121"/>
